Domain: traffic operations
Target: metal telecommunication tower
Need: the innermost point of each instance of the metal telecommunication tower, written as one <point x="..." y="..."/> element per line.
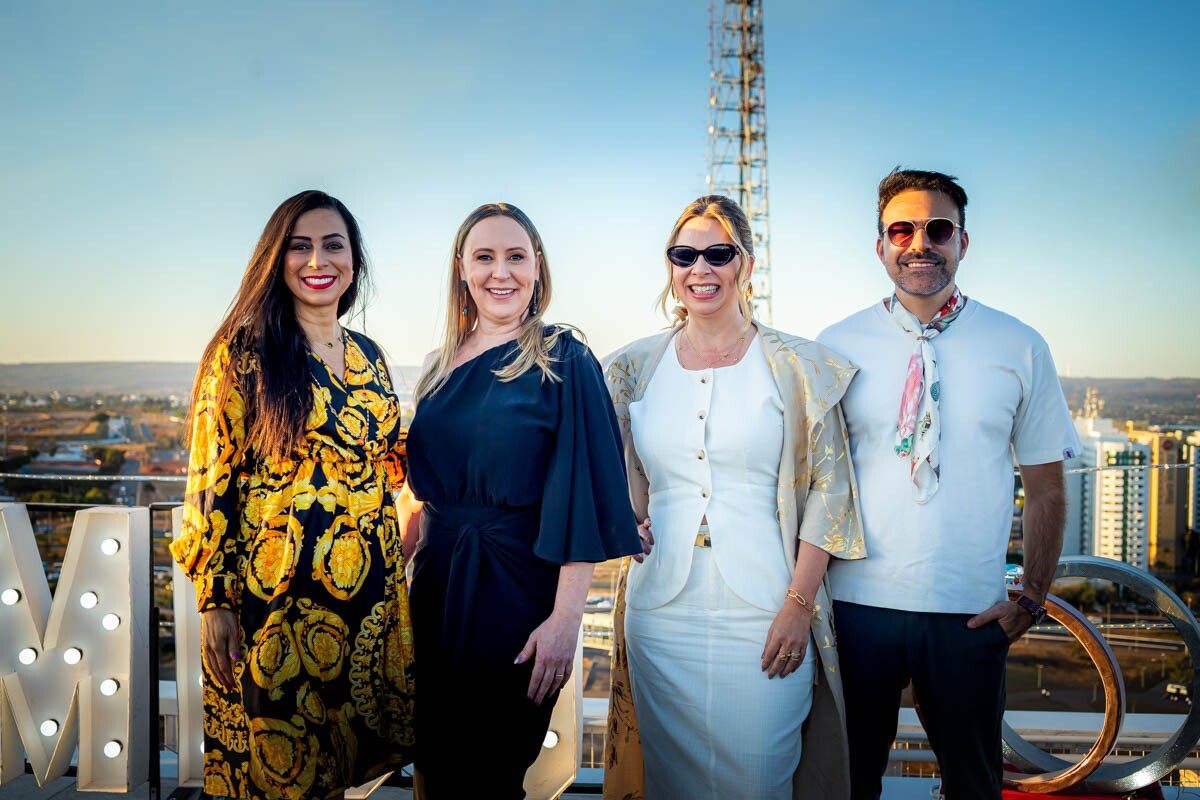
<point x="737" y="127"/>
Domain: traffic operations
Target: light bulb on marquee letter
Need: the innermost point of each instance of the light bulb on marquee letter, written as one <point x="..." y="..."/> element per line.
<point x="109" y="687"/>
<point x="49" y="727"/>
<point x="110" y="547"/>
<point x="88" y="599"/>
<point x="112" y="749"/>
<point x="72" y="655"/>
<point x="110" y="622"/>
<point x="27" y="656"/>
<point x="10" y="597"/>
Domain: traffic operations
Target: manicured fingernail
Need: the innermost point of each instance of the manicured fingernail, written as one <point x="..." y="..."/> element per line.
<point x="236" y="656"/>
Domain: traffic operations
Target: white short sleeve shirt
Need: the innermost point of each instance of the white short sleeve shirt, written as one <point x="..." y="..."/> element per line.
<point x="1001" y="400"/>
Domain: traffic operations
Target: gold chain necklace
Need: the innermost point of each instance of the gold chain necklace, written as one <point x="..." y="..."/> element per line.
<point x="341" y="338"/>
<point x="720" y="356"/>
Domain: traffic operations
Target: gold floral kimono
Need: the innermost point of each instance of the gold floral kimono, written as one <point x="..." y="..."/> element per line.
<point x="811" y="380"/>
<point x="306" y="551"/>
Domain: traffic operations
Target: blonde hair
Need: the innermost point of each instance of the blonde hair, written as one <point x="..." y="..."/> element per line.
<point x="533" y="342"/>
<point x="731" y="217"/>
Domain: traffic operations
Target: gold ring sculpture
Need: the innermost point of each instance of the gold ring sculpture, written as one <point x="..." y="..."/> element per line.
<point x="1114" y="703"/>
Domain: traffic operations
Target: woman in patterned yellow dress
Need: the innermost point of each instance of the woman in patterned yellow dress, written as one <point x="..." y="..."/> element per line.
<point x="290" y="534"/>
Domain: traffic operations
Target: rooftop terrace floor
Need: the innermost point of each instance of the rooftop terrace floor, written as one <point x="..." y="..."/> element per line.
<point x="26" y="788"/>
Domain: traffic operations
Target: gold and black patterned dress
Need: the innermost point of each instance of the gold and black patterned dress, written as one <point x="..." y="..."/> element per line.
<point x="306" y="551"/>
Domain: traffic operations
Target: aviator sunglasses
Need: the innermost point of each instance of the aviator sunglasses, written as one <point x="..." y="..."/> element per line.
<point x="938" y="230"/>
<point x="717" y="255"/>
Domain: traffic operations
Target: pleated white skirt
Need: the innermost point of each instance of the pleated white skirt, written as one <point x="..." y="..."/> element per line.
<point x="712" y="725"/>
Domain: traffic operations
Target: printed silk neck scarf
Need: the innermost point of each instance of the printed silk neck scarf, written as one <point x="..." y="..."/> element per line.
<point x="918" y="441"/>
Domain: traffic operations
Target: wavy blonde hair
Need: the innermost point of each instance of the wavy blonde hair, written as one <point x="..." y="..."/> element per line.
<point x="534" y="341"/>
<point x="731" y="217"/>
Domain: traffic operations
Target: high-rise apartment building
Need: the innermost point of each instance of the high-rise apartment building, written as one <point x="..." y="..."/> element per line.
<point x="1073" y="530"/>
<point x="1191" y="455"/>
<point x="1168" y="499"/>
<point x="1108" y="503"/>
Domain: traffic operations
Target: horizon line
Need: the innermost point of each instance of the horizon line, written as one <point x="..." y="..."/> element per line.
<point x="192" y="364"/>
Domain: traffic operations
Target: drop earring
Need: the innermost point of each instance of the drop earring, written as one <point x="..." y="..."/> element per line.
<point x="462" y="313"/>
<point x="533" y="304"/>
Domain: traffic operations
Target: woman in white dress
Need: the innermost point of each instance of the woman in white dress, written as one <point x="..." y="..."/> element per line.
<point x="736" y="450"/>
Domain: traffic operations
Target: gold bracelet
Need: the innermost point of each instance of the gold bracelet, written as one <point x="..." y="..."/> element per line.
<point x="799" y="598"/>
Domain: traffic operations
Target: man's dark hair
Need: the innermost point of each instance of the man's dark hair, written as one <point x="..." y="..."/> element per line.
<point x="907" y="180"/>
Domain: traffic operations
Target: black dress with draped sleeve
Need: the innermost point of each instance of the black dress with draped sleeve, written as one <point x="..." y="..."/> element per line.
<point x="517" y="479"/>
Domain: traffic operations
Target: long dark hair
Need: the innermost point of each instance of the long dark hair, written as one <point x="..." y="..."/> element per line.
<point x="268" y="354"/>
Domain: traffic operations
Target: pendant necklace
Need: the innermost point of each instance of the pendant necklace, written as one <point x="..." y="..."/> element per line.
<point x="720" y="356"/>
<point x="334" y="341"/>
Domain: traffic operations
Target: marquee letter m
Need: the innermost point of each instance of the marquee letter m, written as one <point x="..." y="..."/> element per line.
<point x="74" y="669"/>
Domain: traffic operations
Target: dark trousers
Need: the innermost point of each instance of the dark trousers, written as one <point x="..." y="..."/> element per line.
<point x="958" y="684"/>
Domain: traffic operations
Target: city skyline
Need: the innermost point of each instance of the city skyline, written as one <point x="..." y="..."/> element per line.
<point x="145" y="146"/>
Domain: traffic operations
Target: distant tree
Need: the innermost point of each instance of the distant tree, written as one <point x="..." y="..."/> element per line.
<point x="1191" y="549"/>
<point x="1179" y="669"/>
<point x="45" y="496"/>
<point x="168" y="442"/>
<point x="111" y="459"/>
<point x="15" y="463"/>
<point x="96" y="495"/>
<point x="100" y="417"/>
<point x="1068" y="594"/>
<point x="1081" y="595"/>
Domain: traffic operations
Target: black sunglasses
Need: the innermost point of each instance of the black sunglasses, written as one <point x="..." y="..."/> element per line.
<point x="938" y="230"/>
<point x="717" y="255"/>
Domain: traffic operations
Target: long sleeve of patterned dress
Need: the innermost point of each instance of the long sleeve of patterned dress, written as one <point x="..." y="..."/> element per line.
<point x="211" y="551"/>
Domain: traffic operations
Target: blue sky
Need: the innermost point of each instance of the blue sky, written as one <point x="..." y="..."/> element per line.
<point x="144" y="145"/>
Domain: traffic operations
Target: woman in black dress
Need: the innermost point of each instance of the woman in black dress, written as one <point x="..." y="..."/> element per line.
<point x="515" y="466"/>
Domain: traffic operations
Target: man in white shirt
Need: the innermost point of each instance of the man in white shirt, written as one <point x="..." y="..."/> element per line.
<point x="949" y="393"/>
